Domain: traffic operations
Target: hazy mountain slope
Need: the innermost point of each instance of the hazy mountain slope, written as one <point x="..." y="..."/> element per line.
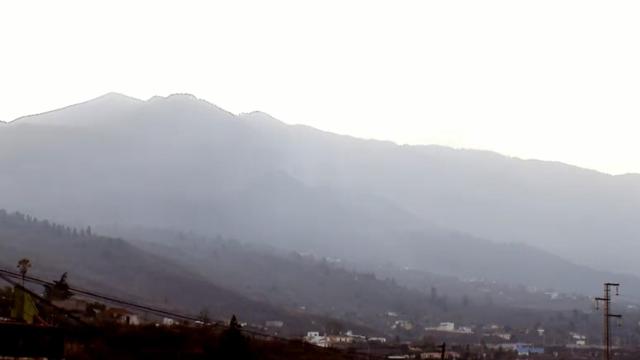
<point x="327" y="286"/>
<point x="570" y="211"/>
<point x="118" y="268"/>
<point x="182" y="163"/>
<point x="293" y="280"/>
<point x="177" y="271"/>
<point x="333" y="223"/>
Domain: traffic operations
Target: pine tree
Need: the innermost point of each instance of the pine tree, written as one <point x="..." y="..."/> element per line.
<point x="234" y="345"/>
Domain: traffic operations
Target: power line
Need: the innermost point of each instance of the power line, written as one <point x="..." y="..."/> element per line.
<point x="104" y="297"/>
<point x="78" y="291"/>
<point x="5" y="274"/>
<point x="42" y="299"/>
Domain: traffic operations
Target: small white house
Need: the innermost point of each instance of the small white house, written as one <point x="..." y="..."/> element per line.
<point x="450" y="327"/>
<point x="314" y="338"/>
<point x="447" y="326"/>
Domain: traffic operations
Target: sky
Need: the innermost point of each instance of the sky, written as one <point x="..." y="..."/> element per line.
<point x="552" y="80"/>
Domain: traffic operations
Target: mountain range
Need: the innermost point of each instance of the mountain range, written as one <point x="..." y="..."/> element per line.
<point x="182" y="164"/>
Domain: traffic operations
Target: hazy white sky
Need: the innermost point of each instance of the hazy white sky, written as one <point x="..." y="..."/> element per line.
<point x="555" y="80"/>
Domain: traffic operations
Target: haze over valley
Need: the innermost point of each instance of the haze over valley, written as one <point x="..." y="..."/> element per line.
<point x="180" y="163"/>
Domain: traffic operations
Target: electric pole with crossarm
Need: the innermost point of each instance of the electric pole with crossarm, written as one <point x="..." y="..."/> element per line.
<point x="606" y="301"/>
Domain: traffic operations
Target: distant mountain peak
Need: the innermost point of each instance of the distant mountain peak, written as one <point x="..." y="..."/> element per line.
<point x="174" y="96"/>
<point x="108" y="106"/>
<point x="183" y="96"/>
<point x="76" y="114"/>
<point x="112" y="96"/>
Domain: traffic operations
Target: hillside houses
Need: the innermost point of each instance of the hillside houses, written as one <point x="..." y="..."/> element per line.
<point x="402" y="325"/>
<point x="449" y="327"/>
<point x="340" y="340"/>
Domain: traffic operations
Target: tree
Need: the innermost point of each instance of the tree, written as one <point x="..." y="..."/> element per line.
<point x="24" y="265"/>
<point x="59" y="290"/>
<point x="233" y="324"/>
<point x="234" y="345"/>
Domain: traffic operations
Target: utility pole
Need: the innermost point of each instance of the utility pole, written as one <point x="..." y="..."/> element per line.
<point x="606" y="311"/>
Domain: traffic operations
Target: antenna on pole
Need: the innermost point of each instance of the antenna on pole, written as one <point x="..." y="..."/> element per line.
<point x="606" y="311"/>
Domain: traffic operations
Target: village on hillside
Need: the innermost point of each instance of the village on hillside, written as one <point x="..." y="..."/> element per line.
<point x="60" y="307"/>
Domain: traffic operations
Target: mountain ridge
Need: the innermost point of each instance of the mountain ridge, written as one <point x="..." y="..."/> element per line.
<point x="186" y="164"/>
<point x="113" y="98"/>
<point x="108" y="97"/>
<point x="265" y="116"/>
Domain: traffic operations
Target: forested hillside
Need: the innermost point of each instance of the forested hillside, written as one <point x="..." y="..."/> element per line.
<point x="118" y="268"/>
<point x="191" y="273"/>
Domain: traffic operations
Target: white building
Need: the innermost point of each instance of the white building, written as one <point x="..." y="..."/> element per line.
<point x="451" y="328"/>
<point x="578" y="339"/>
<point x="314" y="338"/>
